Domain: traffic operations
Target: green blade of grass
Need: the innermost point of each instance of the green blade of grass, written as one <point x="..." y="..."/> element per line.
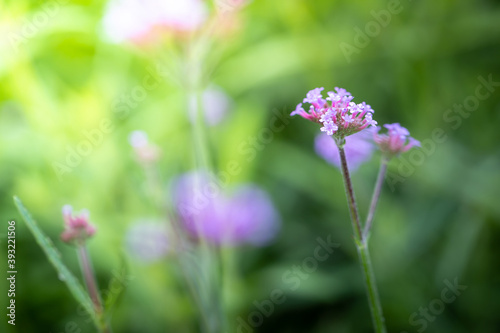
<point x="54" y="257"/>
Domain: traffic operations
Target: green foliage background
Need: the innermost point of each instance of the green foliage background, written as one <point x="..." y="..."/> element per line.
<point x="441" y="222"/>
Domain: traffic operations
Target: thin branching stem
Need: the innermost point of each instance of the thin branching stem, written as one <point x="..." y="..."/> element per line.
<point x="375" y="197"/>
<point x="362" y="247"/>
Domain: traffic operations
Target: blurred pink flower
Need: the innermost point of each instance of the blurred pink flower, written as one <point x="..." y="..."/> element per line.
<point x="359" y="148"/>
<point x="77" y="227"/>
<point x="135" y="20"/>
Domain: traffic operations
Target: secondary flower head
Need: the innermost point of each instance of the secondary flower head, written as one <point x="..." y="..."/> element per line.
<point x="246" y="215"/>
<point x="358" y="147"/>
<point x="337" y="113"/>
<point x="397" y="140"/>
<point x="77" y="226"/>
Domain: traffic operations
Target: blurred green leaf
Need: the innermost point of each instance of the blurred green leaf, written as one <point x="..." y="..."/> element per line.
<point x="116" y="289"/>
<point x="54" y="257"/>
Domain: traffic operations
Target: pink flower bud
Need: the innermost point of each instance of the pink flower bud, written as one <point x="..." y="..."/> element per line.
<point x="396" y="141"/>
<point x="77" y="226"/>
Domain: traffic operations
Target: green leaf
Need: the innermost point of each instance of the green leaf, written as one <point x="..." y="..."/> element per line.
<point x="54" y="257"/>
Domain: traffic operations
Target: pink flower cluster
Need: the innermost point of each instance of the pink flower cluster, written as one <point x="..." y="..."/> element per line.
<point x="396" y="141"/>
<point x="77" y="227"/>
<point x="337" y="113"/>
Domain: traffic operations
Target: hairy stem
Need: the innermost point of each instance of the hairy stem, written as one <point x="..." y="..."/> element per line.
<point x="351" y="200"/>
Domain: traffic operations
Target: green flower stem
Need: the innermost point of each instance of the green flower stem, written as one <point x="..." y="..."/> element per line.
<point x="362" y="247"/>
<point x="210" y="302"/>
<point x="210" y="305"/>
<point x="199" y="131"/>
<point x="375" y="197"/>
<point x="193" y="67"/>
<point x="371" y="288"/>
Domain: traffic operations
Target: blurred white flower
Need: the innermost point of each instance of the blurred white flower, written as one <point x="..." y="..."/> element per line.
<point x="138" y="139"/>
<point x="148" y="241"/>
<point x="134" y="20"/>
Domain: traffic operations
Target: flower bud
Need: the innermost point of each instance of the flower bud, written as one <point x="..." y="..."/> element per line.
<point x="77" y="226"/>
<point x="397" y="140"/>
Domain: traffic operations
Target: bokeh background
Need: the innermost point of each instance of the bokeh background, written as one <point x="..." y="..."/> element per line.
<point x="440" y="221"/>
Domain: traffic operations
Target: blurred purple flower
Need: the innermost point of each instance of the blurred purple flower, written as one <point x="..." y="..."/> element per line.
<point x="215" y="103"/>
<point x="246" y="216"/>
<point x="396" y="141"/>
<point x="148" y="240"/>
<point x="359" y="148"/>
<point x="135" y="20"/>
